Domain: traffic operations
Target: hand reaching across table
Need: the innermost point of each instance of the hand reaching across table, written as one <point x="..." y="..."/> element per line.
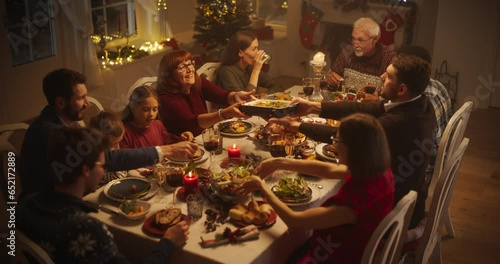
<point x="180" y="150"/>
<point x="178" y="234"/>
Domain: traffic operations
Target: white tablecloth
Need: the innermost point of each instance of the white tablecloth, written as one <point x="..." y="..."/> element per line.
<point x="273" y="246"/>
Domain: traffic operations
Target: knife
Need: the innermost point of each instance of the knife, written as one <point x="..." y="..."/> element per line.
<point x="108" y="210"/>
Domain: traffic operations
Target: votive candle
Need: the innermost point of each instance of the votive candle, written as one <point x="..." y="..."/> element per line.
<point x="234" y="151"/>
<point x="190" y="183"/>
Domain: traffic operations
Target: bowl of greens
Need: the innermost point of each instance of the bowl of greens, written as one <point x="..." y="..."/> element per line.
<point x="292" y="190"/>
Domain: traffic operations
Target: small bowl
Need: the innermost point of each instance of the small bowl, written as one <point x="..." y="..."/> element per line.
<point x="145" y="205"/>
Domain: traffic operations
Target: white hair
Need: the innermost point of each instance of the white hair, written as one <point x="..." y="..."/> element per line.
<point x="368" y="25"/>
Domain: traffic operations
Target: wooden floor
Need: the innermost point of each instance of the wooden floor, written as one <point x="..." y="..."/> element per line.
<point x="475" y="205"/>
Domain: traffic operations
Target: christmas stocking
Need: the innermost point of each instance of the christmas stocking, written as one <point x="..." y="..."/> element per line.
<point x="388" y="28"/>
<point x="310" y="18"/>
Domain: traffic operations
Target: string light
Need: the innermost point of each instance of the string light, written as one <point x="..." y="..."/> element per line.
<point x="161" y="4"/>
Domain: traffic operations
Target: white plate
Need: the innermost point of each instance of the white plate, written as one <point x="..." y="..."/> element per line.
<point x="152" y="190"/>
<point x="137" y="172"/>
<point x="315" y="195"/>
<point x="314" y="120"/>
<point x="203" y="158"/>
<point x="319" y="151"/>
<point x="248" y="131"/>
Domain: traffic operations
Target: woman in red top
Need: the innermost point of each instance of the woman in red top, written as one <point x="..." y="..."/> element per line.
<point x="183" y="93"/>
<point x="344" y="223"/>
<point x="142" y="128"/>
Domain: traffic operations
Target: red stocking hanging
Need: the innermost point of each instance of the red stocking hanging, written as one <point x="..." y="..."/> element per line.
<point x="310" y="18"/>
<point x="388" y="27"/>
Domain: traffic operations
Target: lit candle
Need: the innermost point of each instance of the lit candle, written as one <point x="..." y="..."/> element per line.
<point x="233" y="151"/>
<point x="190" y="183"/>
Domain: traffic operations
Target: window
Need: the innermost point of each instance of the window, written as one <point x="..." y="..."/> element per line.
<point x="274" y="11"/>
<point x="113" y="18"/>
<point x="30" y="30"/>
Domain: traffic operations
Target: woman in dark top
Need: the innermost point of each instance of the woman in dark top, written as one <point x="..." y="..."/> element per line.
<point x="241" y="66"/>
<point x="182" y="94"/>
<point x="343" y="224"/>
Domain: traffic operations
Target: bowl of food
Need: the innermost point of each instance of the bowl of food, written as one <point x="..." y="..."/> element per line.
<point x="134" y="209"/>
<point x="227" y="176"/>
<point x="265" y="107"/>
<point x="292" y="190"/>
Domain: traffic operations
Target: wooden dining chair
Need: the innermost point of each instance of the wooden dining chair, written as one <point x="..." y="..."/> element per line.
<point x="450" y="141"/>
<point x="29" y="251"/>
<point x="209" y="71"/>
<point x="14" y="134"/>
<point x="387" y="240"/>
<point x="142" y="81"/>
<point x="428" y="247"/>
<point x="93" y="109"/>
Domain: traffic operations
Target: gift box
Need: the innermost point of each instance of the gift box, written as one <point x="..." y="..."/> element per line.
<point x="258" y="22"/>
<point x="238" y="235"/>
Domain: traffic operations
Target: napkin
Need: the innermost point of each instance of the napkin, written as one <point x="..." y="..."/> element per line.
<point x="238" y="235"/>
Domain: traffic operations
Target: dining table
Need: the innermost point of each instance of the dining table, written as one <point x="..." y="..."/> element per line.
<point x="274" y="244"/>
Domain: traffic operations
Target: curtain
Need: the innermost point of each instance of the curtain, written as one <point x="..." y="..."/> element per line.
<point x="79" y="50"/>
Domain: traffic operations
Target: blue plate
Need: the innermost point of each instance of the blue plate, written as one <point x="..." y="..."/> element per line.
<point x="123" y="188"/>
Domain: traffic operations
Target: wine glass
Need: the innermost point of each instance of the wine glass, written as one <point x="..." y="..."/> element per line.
<point x="159" y="171"/>
<point x="174" y="176"/>
<point x="290" y="145"/>
<point x="211" y="138"/>
<point x="308" y="86"/>
<point x="276" y="145"/>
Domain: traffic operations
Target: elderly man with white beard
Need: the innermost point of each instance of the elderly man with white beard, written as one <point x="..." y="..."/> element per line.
<point x="365" y="60"/>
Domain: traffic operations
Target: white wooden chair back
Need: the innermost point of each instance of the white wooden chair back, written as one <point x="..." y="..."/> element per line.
<point x="142" y="81"/>
<point x="429" y="244"/>
<point x="209" y="71"/>
<point x="452" y="137"/>
<point x="93" y="109"/>
<point x="14" y="134"/>
<point x="394" y="225"/>
<point x="27" y="247"/>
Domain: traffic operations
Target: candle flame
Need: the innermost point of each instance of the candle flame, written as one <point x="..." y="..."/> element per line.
<point x="234" y="145"/>
<point x="190" y="175"/>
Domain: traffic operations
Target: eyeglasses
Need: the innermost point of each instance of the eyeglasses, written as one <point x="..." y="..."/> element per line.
<point x="360" y="42"/>
<point x="183" y="66"/>
<point x="336" y="140"/>
<point x="103" y="165"/>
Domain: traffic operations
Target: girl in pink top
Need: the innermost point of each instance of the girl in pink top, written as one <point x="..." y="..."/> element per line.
<point x="344" y="223"/>
<point x="142" y="128"/>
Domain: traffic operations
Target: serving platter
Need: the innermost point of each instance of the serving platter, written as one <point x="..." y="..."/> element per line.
<point x="151" y="229"/>
<point x="270" y="221"/>
<point x="266" y="107"/>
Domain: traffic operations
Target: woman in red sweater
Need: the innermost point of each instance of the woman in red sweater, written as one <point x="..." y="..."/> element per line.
<point x="182" y="94"/>
<point x="343" y="224"/>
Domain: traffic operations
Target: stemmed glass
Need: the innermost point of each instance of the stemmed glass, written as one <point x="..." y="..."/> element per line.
<point x="174" y="176"/>
<point x="290" y="145"/>
<point x="159" y="173"/>
<point x="211" y="138"/>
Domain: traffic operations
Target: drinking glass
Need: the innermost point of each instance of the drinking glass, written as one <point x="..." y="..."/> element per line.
<point x="194" y="206"/>
<point x="174" y="176"/>
<point x="159" y="173"/>
<point x="308" y="86"/>
<point x="276" y="145"/>
<point x="211" y="138"/>
<point x="290" y="145"/>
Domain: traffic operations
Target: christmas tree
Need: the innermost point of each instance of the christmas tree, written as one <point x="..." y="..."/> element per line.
<point x="216" y="21"/>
